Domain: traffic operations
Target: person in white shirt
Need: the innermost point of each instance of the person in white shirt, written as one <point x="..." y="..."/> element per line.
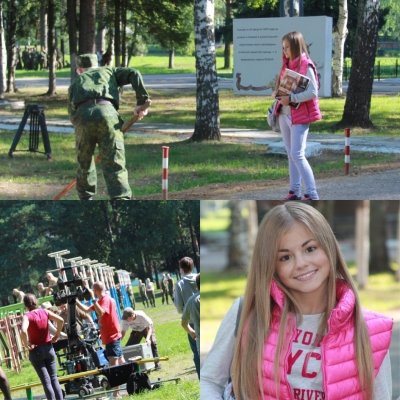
<point x="142" y="327"/>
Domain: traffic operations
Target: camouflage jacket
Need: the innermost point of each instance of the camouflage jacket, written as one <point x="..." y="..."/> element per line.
<point x="104" y="82"/>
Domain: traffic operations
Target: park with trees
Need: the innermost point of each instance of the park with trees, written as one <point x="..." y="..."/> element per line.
<point x="178" y="36"/>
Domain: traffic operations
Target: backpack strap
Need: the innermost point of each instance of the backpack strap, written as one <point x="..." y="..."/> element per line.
<point x="238" y="314"/>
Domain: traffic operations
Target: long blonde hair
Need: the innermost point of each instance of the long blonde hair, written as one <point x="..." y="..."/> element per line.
<point x="257" y="304"/>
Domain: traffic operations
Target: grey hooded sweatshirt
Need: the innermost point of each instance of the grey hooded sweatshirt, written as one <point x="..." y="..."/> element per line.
<point x="185" y="288"/>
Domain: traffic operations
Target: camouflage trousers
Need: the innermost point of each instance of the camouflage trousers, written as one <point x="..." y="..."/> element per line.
<point x="100" y="124"/>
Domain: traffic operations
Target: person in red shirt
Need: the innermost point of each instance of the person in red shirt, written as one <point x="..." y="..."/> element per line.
<point x="35" y="324"/>
<point x="109" y="326"/>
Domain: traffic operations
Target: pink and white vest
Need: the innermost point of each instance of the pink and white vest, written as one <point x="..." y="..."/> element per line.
<point x="309" y="110"/>
<point x="339" y="368"/>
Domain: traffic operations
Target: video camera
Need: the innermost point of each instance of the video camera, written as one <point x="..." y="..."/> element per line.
<point x="82" y="353"/>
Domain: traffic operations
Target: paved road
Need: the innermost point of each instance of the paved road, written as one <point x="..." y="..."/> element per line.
<point x="368" y="186"/>
<point x="188" y="81"/>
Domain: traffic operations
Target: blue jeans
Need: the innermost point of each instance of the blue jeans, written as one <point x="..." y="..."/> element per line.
<point x="196" y="357"/>
<point x="43" y="359"/>
<point x="295" y="139"/>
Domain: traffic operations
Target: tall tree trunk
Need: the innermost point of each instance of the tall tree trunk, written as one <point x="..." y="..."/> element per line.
<point x="236" y="250"/>
<point x="252" y="227"/>
<point x="101" y="27"/>
<point x="358" y="100"/>
<point x="228" y="19"/>
<point x="207" y="126"/>
<point x="43" y="25"/>
<point x="11" y="46"/>
<point x="117" y="35"/>
<point x="379" y="259"/>
<point x="123" y="37"/>
<point x="339" y="34"/>
<point x="3" y="55"/>
<point x="108" y="225"/>
<point x="72" y="29"/>
<point x="116" y="218"/>
<point x="52" y="48"/>
<point x="171" y="63"/>
<point x="87" y="26"/>
<point x="398" y="244"/>
<point x="195" y="246"/>
<point x="362" y="242"/>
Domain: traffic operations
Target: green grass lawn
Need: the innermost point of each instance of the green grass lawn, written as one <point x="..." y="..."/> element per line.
<point x="172" y="342"/>
<point x="219" y="290"/>
<point x="147" y="65"/>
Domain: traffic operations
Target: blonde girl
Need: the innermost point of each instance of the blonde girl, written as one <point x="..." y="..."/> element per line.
<point x="295" y="122"/>
<point x="302" y="333"/>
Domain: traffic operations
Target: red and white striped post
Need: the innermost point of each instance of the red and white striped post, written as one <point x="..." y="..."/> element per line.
<point x="165" y="173"/>
<point x="346" y="151"/>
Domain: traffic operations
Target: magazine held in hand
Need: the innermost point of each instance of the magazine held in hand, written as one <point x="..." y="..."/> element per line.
<point x="292" y="82"/>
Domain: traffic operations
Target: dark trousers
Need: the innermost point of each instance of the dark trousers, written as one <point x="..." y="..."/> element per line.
<point x="196" y="357"/>
<point x="43" y="359"/>
<point x="144" y="298"/>
<point x="137" y="336"/>
<point x="164" y="296"/>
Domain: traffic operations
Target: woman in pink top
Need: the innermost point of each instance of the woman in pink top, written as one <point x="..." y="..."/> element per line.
<point x="41" y="352"/>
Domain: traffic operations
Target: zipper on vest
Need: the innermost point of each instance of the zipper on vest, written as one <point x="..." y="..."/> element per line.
<point x="323" y="357"/>
<point x="286" y="359"/>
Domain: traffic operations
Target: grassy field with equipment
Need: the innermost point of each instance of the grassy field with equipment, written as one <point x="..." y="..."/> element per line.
<point x="172" y="342"/>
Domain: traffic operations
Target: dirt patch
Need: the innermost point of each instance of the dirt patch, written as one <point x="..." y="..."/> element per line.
<point x="47" y="191"/>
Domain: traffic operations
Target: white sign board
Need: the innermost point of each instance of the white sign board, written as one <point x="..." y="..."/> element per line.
<point x="258" y="51"/>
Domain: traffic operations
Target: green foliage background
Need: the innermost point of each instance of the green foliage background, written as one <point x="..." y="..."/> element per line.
<point x="141" y="237"/>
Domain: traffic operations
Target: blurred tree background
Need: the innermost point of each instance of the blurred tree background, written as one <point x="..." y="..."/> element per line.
<point x="143" y="237"/>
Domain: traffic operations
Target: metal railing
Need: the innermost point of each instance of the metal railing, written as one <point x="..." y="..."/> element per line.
<point x="381" y="70"/>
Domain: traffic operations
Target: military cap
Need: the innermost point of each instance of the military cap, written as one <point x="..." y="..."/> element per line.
<point x="86" y="61"/>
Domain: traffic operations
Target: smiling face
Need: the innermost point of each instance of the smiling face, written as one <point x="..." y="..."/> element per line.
<point x="303" y="267"/>
<point x="286" y="49"/>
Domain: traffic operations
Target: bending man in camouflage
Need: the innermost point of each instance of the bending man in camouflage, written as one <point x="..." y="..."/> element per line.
<point x="93" y="101"/>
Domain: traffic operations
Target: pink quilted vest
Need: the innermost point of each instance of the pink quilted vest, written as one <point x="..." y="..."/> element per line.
<point x="309" y="110"/>
<point x="340" y="376"/>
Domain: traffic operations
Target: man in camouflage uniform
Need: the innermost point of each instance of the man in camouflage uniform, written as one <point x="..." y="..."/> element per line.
<point x="43" y="58"/>
<point x="93" y="101"/>
<point x="35" y="59"/>
<point x="164" y="288"/>
<point x="25" y="58"/>
<point x="143" y="294"/>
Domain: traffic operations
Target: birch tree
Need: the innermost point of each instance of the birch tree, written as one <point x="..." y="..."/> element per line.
<point x="296" y="7"/>
<point x="11" y="46"/>
<point x="340" y="32"/>
<point x="207" y="126"/>
<point x="52" y="48"/>
<point x="3" y="55"/>
<point x="358" y="100"/>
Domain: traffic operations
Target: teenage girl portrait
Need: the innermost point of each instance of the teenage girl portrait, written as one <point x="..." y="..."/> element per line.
<point x="301" y="332"/>
<point x="295" y="122"/>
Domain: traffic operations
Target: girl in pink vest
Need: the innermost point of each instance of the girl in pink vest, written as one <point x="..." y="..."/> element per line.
<point x="302" y="333"/>
<point x="295" y="122"/>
